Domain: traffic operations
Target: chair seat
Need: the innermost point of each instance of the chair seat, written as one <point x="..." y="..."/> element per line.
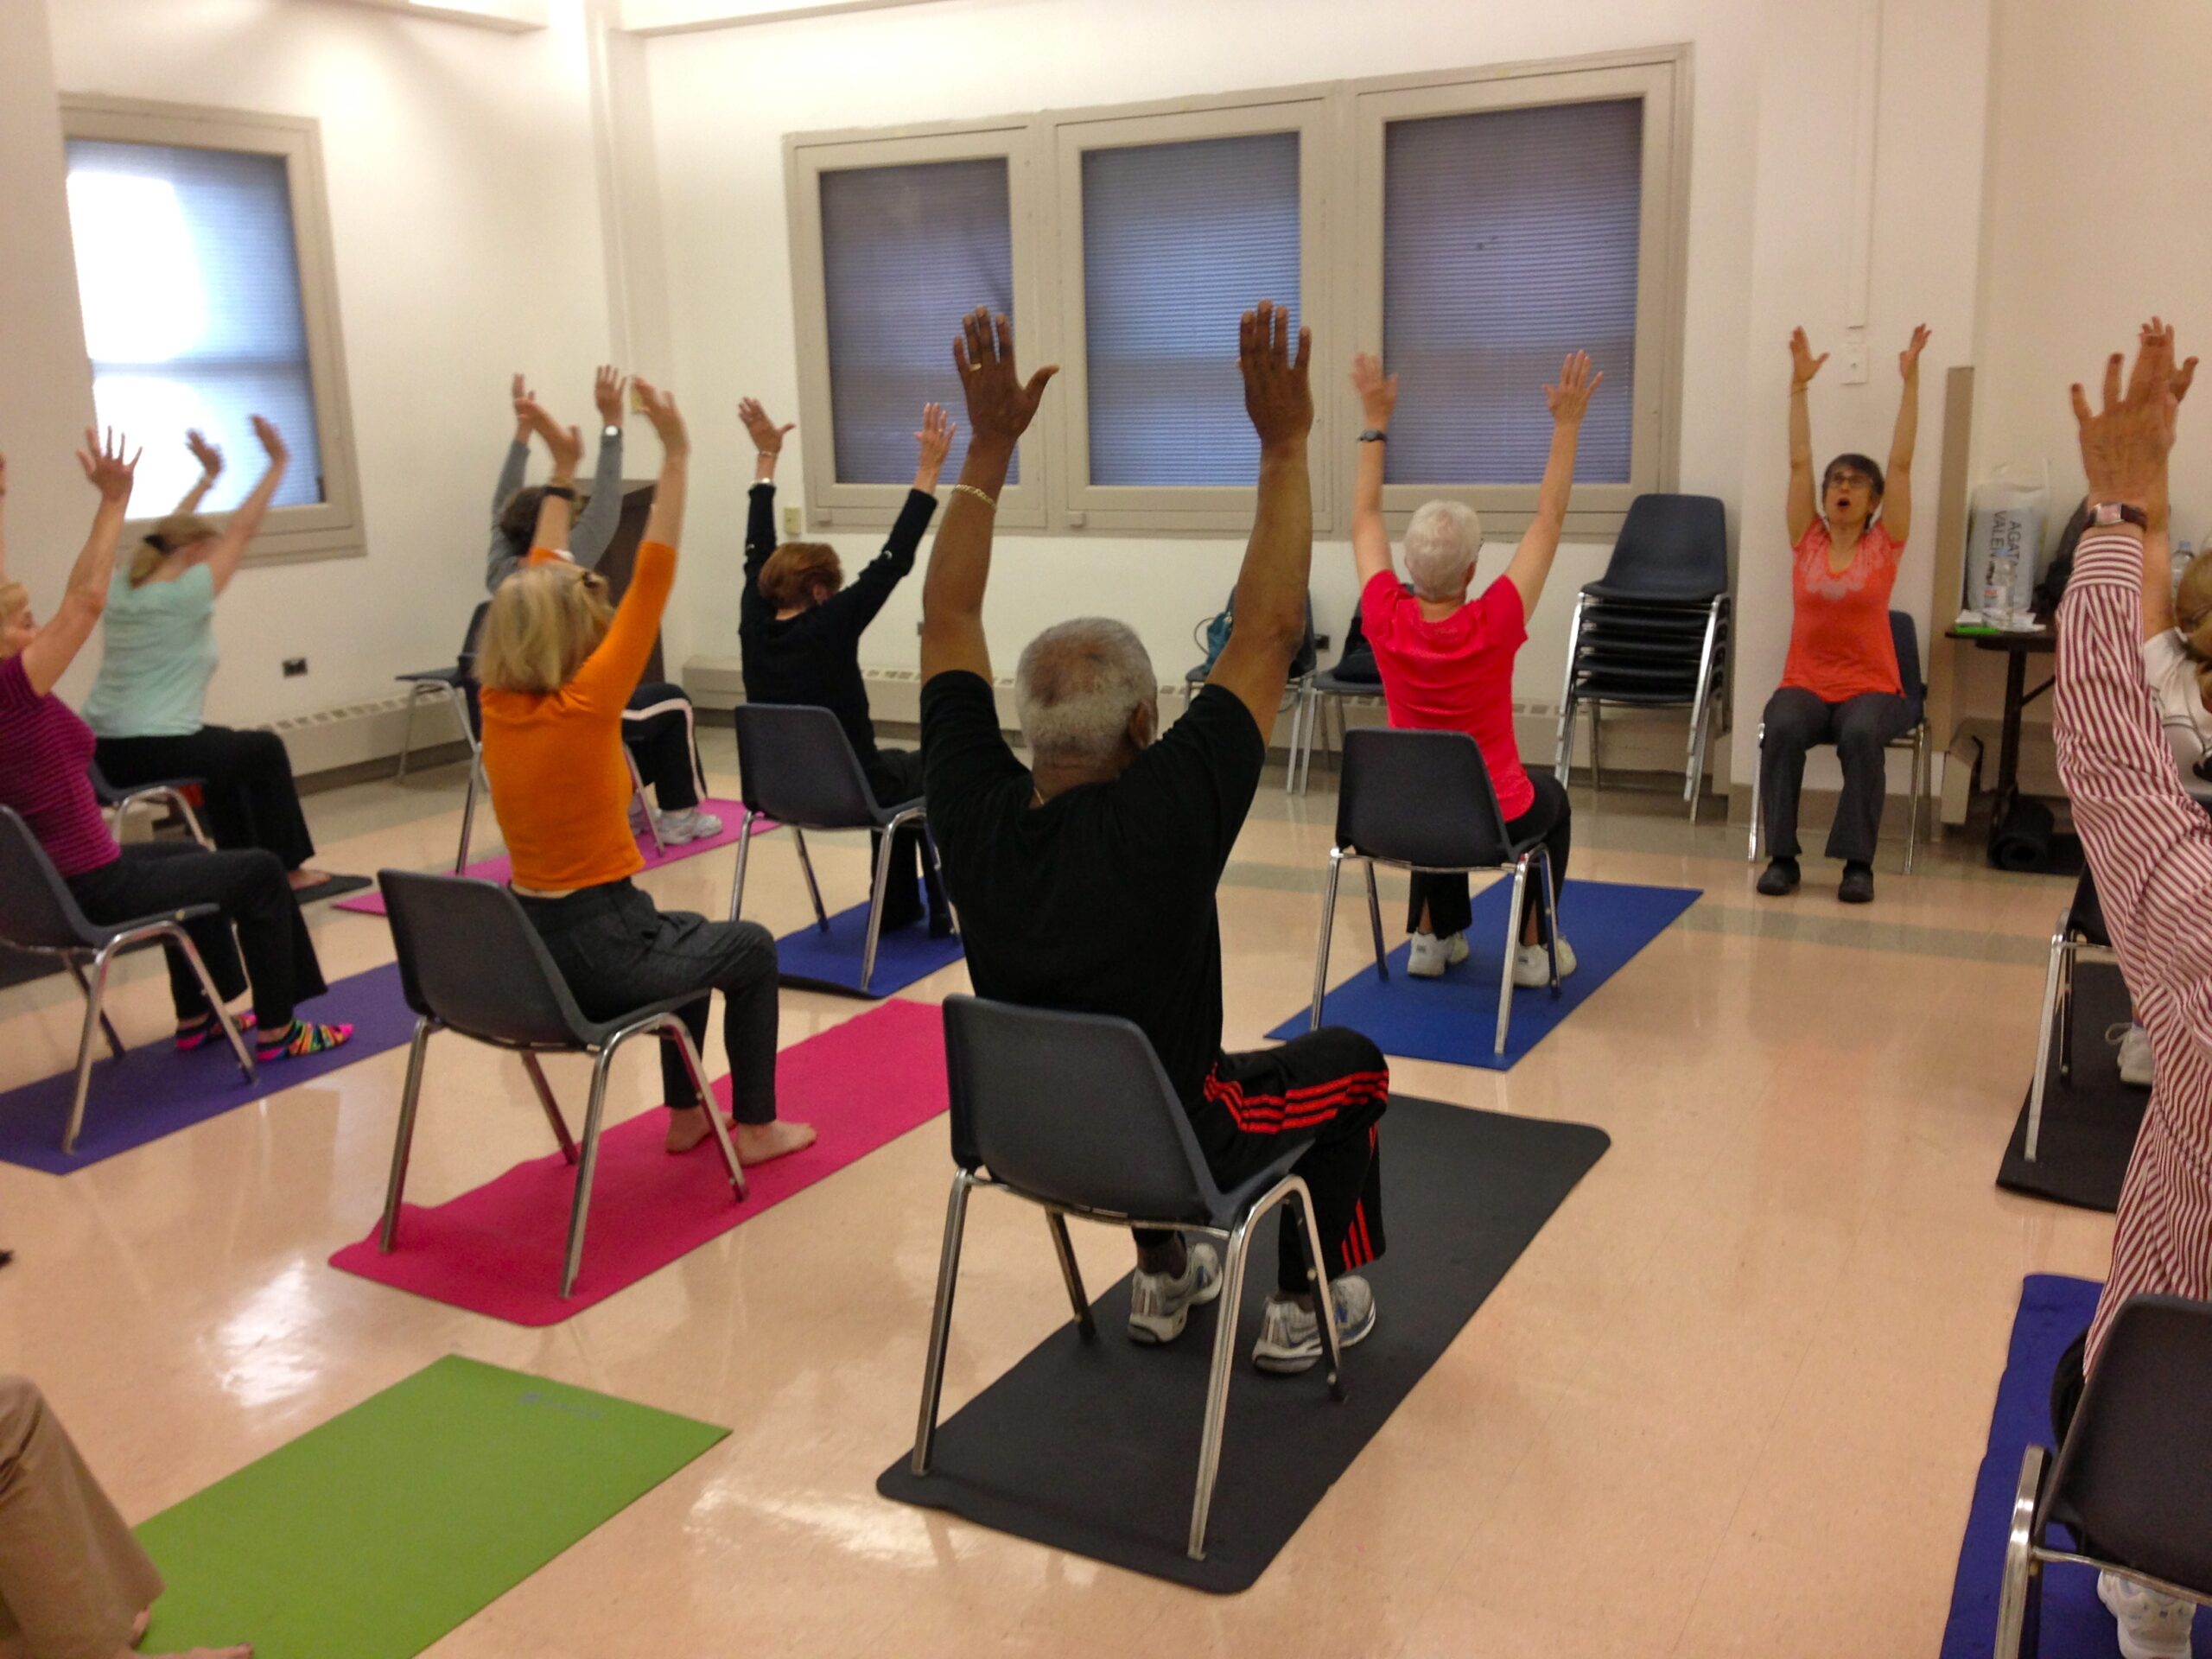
<point x="1330" y="682"/>
<point x="582" y="1034"/>
<point x="108" y="795"/>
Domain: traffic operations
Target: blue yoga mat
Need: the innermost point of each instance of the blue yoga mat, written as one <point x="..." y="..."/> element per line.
<point x="1454" y="1019"/>
<point x="831" y="961"/>
<point x="154" y="1091"/>
<point x="2053" y="1312"/>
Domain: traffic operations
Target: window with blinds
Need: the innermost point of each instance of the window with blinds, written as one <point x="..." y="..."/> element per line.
<point x="188" y="273"/>
<point x="1509" y="239"/>
<point x="905" y="251"/>
<point x="1178" y="239"/>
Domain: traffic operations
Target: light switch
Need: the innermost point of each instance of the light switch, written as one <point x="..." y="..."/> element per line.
<point x="791" y="508"/>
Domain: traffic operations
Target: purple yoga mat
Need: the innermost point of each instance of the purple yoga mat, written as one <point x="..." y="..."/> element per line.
<point x="154" y="1091"/>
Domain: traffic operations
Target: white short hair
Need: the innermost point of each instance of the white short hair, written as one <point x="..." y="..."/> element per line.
<point x="1442" y="540"/>
<point x="1075" y="687"/>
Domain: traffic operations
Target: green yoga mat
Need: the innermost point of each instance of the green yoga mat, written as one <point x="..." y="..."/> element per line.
<point x="373" y="1535"/>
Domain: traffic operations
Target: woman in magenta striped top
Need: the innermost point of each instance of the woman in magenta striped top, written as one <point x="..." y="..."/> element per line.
<point x="45" y="750"/>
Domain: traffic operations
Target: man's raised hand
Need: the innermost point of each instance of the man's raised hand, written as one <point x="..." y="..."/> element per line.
<point x="2124" y="444"/>
<point x="1001" y="404"/>
<point x="1277" y="394"/>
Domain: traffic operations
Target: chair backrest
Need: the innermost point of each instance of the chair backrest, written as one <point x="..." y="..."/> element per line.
<point x="2135" y="1474"/>
<point x="1420" y="797"/>
<point x="1073" y="1108"/>
<point x="1906" y="639"/>
<point x="796" y="764"/>
<point x="1671" y="547"/>
<point x="469" y="957"/>
<point x="1218" y="627"/>
<point x="466" y="661"/>
<point x="37" y="909"/>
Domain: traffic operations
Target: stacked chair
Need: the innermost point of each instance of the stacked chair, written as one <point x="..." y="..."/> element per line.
<point x="1653" y="631"/>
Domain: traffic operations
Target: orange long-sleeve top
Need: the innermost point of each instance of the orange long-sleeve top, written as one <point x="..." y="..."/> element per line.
<point x="560" y="787"/>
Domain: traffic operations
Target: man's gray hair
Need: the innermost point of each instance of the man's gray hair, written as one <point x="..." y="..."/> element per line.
<point x="1075" y="687"/>
<point x="1442" y="540"/>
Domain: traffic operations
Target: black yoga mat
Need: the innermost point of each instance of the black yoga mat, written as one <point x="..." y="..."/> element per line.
<point x="1093" y="1446"/>
<point x="336" y="887"/>
<point x="2089" y="1124"/>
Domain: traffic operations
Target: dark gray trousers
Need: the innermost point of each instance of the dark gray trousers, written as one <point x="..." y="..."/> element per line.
<point x="1862" y="728"/>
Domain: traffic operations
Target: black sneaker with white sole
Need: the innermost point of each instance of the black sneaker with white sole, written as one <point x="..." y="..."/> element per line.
<point x="1161" y="1303"/>
<point x="1290" y="1336"/>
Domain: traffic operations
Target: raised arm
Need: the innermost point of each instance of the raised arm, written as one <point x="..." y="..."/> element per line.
<point x="556" y="509"/>
<point x="1370" y="535"/>
<point x="211" y="468"/>
<point x="1804" y="501"/>
<point x="1270" y="605"/>
<point x="1897" y="494"/>
<point x="55" y="645"/>
<point x="761" y="538"/>
<point x="224" y="552"/>
<point x="516" y="466"/>
<point x="854" y="606"/>
<point x="1532" y="560"/>
<point x="611" y="673"/>
<point x="2158" y="546"/>
<point x="594" y="528"/>
<point x="1000" y="405"/>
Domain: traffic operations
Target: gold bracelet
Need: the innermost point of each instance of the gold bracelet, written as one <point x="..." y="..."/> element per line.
<point x="969" y="489"/>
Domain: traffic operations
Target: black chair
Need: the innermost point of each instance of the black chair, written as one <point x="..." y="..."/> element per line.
<point x="1423" y="801"/>
<point x="2133" y="1481"/>
<point x="798" y="766"/>
<point x="1653" y="631"/>
<point x="471" y="963"/>
<point x="454" y="684"/>
<point x="1297" y="696"/>
<point x="2079" y="937"/>
<point x="39" y="914"/>
<point x="170" y="792"/>
<point x="1354" y="679"/>
<point x="1904" y="639"/>
<point x="1072" y="1112"/>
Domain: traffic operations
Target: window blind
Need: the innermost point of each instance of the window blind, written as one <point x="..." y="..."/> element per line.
<point x="905" y="251"/>
<point x="1179" y="240"/>
<point x="189" y="278"/>
<point x="1510" y="238"/>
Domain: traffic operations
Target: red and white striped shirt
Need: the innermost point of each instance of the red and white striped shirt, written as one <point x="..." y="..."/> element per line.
<point x="2150" y="847"/>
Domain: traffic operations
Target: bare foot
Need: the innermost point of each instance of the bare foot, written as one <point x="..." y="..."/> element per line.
<point x="686" y="1129"/>
<point x="759" y="1142"/>
<point x="304" y="877"/>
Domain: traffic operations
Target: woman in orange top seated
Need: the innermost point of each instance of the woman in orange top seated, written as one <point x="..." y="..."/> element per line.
<point x="557" y="665"/>
<point x="1840" y="683"/>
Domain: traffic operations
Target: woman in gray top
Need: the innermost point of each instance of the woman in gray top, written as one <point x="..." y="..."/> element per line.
<point x="657" y="728"/>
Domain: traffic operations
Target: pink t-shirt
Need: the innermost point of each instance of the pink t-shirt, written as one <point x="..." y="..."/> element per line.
<point x="45" y="751"/>
<point x="1455" y="675"/>
<point x="1840" y="646"/>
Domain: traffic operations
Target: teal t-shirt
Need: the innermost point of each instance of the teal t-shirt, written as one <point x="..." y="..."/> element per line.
<point x="158" y="658"/>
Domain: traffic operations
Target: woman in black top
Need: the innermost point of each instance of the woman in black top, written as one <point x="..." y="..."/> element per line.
<point x="800" y="625"/>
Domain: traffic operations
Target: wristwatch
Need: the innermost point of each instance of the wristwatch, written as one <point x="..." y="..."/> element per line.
<point x="1375" y="435"/>
<point x="2115" y="512"/>
<point x="612" y="430"/>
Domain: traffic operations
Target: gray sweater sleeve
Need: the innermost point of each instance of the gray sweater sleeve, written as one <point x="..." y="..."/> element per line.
<point x="501" y="562"/>
<point x="594" y="527"/>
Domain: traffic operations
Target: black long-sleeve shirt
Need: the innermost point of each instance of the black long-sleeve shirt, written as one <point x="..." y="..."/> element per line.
<point x="814" y="658"/>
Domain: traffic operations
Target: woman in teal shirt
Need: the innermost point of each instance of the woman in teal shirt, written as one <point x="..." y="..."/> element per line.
<point x="157" y="657"/>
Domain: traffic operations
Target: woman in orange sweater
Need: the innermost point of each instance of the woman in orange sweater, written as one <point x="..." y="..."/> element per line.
<point x="557" y="665"/>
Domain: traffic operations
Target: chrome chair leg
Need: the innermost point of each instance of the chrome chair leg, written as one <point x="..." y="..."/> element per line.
<point x="1921" y="770"/>
<point x="587" y="1166"/>
<point x="643" y="806"/>
<point x="671" y="1025"/>
<point x="1293" y="1189"/>
<point x="2051" y="975"/>
<point x="1548" y="897"/>
<point x="2065" y="1016"/>
<point x="1563" y="762"/>
<point x="887" y="840"/>
<point x="948" y="1279"/>
<point x="404" y="1143"/>
<point x="1225" y="1357"/>
<point x="2019" y="1589"/>
<point x="208" y="989"/>
<point x="552" y="1107"/>
<point x="85" y="1043"/>
<point x="469" y="815"/>
<point x="407" y="731"/>
<point x="1374" y="924"/>
<point x="813" y="888"/>
<point x="1758" y="793"/>
<point x="77" y="973"/>
<point x="1512" y="946"/>
<point x="929" y="846"/>
<point x="1070" y="1273"/>
<point x="744" y="856"/>
<point x="1328" y="929"/>
<point x="1597" y="753"/>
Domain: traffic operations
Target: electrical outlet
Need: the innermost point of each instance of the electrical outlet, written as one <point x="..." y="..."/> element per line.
<point x="295" y="667"/>
<point x="790" y="518"/>
<point x="1851" y="360"/>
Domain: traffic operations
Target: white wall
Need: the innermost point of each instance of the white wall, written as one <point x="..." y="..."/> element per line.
<point x="465" y="215"/>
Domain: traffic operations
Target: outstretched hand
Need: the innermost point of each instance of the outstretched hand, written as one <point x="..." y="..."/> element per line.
<point x="1278" y="397"/>
<point x="209" y="457"/>
<point x="767" y="437"/>
<point x="2184" y="373"/>
<point x="564" y="443"/>
<point x="668" y="423"/>
<point x="934" y="438"/>
<point x="607" y="389"/>
<point x="1909" y="358"/>
<point x="2124" y="444"/>
<point x="105" y="467"/>
<point x="1803" y="365"/>
<point x="1001" y="404"/>
<point x="1377" y="391"/>
<point x="1571" y="395"/>
<point x="272" y="441"/>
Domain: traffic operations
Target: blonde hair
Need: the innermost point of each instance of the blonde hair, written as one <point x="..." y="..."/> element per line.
<point x="178" y="529"/>
<point x="13" y="596"/>
<point x="544" y="620"/>
<point x="2193" y="616"/>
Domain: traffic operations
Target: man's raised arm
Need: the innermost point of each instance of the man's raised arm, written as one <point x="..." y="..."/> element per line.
<point x="1000" y="408"/>
<point x="1270" y="623"/>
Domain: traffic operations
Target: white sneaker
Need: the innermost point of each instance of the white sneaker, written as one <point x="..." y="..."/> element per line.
<point x="687" y="824"/>
<point x="2137" y="1067"/>
<point x="2151" y="1625"/>
<point x="1161" y="1304"/>
<point x="1290" y="1336"/>
<point x="1431" y="956"/>
<point x="1532" y="963"/>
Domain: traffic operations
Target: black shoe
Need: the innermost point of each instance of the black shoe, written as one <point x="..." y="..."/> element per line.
<point x="1857" y="885"/>
<point x="941" y="925"/>
<point x="1779" y="877"/>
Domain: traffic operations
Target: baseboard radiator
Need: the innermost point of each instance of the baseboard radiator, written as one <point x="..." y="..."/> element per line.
<point x="362" y="733"/>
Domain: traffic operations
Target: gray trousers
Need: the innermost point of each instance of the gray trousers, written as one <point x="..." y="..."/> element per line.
<point x="1862" y="728"/>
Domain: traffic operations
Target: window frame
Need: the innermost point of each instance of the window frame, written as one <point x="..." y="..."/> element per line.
<point x="830" y="504"/>
<point x="335" y="527"/>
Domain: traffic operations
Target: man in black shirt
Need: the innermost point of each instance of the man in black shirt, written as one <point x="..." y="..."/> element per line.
<point x="1088" y="883"/>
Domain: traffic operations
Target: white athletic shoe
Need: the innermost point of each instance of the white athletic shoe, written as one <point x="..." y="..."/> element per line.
<point x="1160" y="1305"/>
<point x="2151" y="1625"/>
<point x="1290" y="1336"/>
<point x="1532" y="963"/>
<point x="2137" y="1068"/>
<point x="1431" y="956"/>
<point x="687" y="824"/>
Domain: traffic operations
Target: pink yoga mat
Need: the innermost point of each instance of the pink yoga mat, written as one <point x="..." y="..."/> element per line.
<point x="497" y="1251"/>
<point x="732" y="813"/>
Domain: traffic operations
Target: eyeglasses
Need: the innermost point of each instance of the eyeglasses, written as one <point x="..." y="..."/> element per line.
<point x="1835" y="478"/>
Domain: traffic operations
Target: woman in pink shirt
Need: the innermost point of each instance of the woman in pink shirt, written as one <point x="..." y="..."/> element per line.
<point x="1447" y="660"/>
